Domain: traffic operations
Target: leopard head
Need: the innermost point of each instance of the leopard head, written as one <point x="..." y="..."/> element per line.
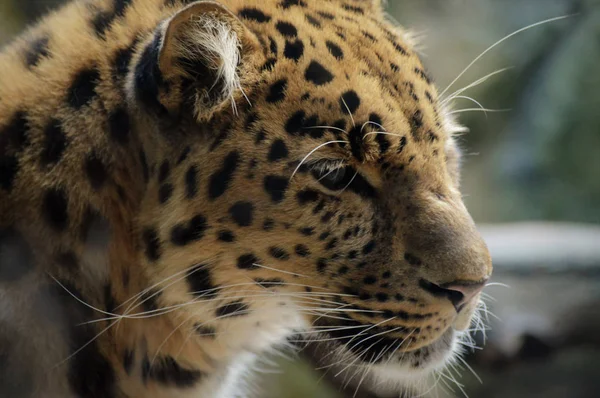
<point x="302" y="178"/>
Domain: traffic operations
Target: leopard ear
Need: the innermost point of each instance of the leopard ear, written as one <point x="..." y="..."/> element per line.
<point x="197" y="61"/>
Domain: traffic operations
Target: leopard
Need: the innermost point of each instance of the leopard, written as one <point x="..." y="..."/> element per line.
<point x="188" y="187"/>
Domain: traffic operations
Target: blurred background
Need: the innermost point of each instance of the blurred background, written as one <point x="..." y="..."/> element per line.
<point x="531" y="180"/>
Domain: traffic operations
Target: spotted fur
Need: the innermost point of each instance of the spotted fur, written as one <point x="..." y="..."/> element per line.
<point x="185" y="186"/>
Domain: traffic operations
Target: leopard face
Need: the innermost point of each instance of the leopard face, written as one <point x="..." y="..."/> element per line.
<point x="216" y="179"/>
<point x="315" y="180"/>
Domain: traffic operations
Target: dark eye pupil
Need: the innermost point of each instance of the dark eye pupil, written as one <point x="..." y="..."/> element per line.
<point x="332" y="176"/>
<point x="334" y="180"/>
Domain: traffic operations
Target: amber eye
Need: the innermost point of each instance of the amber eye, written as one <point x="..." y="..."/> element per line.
<point x="339" y="178"/>
<point x="334" y="179"/>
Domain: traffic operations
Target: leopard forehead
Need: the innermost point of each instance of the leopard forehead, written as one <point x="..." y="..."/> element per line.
<point x="339" y="65"/>
<point x="346" y="68"/>
<point x="330" y="79"/>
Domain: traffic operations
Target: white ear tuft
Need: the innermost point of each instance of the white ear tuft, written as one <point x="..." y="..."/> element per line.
<point x="196" y="63"/>
<point x="214" y="43"/>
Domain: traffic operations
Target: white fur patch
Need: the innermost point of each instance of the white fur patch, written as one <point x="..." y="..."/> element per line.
<point x="94" y="259"/>
<point x="251" y="338"/>
<point x="450" y="122"/>
<point x="269" y="323"/>
<point x="217" y="44"/>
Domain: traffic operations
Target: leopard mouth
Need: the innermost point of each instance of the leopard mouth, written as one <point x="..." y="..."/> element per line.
<point x="380" y="361"/>
<point x="377" y="368"/>
<point x="375" y="348"/>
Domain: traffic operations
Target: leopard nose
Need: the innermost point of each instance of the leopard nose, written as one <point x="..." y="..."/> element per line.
<point x="458" y="292"/>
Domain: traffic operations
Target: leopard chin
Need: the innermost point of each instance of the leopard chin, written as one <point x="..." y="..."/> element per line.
<point x="380" y="369"/>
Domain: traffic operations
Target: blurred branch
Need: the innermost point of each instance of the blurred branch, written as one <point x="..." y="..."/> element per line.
<point x="551" y="248"/>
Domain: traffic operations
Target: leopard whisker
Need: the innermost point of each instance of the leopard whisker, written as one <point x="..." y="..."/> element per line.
<point x="80" y="300"/>
<point x="317" y="340"/>
<point x="468" y="345"/>
<point x="284" y="272"/>
<point x="201" y="299"/>
<point x="476" y="83"/>
<point x="469" y="99"/>
<point x="332" y="329"/>
<point x="443" y="379"/>
<point x="430" y="389"/>
<point x="364" y="331"/>
<point x="377" y="334"/>
<point x="342" y="306"/>
<point x="396" y="350"/>
<point x="237" y="285"/>
<point x="485" y="110"/>
<point x="328" y="329"/>
<point x="382" y="133"/>
<point x="366" y="350"/>
<point x="400" y="345"/>
<point x="486" y="296"/>
<point x="313" y="151"/>
<point x="498" y="284"/>
<point x="338" y="318"/>
<point x="342" y="358"/>
<point x="488" y="312"/>
<point x="327" y="128"/>
<point x="449" y="377"/>
<point x="244" y="94"/>
<point x="460" y="358"/>
<point x="350" y="182"/>
<point x="196" y="267"/>
<point x="326" y="175"/>
<point x="498" y="43"/>
<point x="353" y="363"/>
<point x="85" y="345"/>
<point x="189" y="335"/>
<point x="193" y="268"/>
<point x="351" y="310"/>
<point x="188" y="319"/>
<point x="374" y="124"/>
<point x="360" y="368"/>
<point x="168" y="309"/>
<point x="460" y="386"/>
<point x="344" y="347"/>
<point x="368" y="368"/>
<point x="349" y="113"/>
<point x="482" y="308"/>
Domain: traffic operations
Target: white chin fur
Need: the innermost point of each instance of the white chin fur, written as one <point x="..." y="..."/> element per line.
<point x="392" y="378"/>
<point x="395" y="378"/>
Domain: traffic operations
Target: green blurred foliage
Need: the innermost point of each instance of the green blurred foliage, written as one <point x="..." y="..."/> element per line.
<point x="296" y="379"/>
<point x="538" y="160"/>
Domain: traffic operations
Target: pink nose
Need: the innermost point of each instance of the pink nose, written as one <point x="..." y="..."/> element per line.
<point x="458" y="292"/>
<point x="461" y="293"/>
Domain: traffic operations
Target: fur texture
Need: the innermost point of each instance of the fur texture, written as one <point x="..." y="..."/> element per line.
<point x="185" y="187"/>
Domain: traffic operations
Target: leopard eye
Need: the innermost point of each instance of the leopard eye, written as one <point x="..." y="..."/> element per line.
<point x="334" y="179"/>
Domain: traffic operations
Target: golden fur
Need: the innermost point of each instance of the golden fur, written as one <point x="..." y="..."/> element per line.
<point x="87" y="152"/>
